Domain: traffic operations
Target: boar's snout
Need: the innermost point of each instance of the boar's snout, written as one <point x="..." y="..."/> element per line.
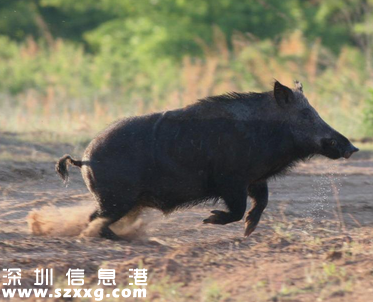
<point x="338" y="146"/>
<point x="352" y="149"/>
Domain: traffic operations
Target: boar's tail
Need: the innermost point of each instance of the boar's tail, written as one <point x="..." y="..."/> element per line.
<point x="62" y="166"/>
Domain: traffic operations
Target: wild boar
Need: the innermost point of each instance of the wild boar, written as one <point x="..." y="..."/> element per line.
<point x="222" y="147"/>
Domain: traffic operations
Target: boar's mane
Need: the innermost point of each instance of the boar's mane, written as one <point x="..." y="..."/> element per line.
<point x="235" y="96"/>
<point x="233" y="105"/>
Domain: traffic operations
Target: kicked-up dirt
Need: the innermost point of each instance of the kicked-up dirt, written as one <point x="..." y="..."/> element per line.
<point x="314" y="242"/>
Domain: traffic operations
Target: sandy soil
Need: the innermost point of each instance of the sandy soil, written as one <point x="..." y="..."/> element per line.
<point x="314" y="242"/>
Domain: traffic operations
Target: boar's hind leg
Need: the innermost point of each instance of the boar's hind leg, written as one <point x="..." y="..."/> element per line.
<point x="94" y="215"/>
<point x="259" y="195"/>
<point x="235" y="199"/>
<point x="111" y="210"/>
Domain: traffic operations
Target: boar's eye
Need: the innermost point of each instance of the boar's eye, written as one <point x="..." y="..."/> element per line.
<point x="333" y="142"/>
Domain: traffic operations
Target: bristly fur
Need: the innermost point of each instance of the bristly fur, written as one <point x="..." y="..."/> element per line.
<point x="287" y="169"/>
<point x="212" y="199"/>
<point x="234" y="96"/>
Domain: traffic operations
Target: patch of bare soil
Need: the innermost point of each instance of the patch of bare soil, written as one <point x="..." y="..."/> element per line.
<point x="314" y="242"/>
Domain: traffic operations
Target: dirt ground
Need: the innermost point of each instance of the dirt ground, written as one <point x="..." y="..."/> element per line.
<point x="314" y="242"/>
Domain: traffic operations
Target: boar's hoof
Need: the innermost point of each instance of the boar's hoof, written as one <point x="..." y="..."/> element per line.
<point x="250" y="227"/>
<point x="108" y="234"/>
<point x="219" y="217"/>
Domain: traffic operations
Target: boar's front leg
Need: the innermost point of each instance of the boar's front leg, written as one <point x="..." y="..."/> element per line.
<point x="235" y="198"/>
<point x="259" y="194"/>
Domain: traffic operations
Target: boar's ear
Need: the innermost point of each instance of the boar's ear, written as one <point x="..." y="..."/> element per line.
<point x="298" y="86"/>
<point x="284" y="96"/>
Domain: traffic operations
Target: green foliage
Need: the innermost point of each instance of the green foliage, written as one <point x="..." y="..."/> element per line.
<point x="147" y="54"/>
<point x="155" y="29"/>
<point x="149" y="30"/>
<point x="17" y="19"/>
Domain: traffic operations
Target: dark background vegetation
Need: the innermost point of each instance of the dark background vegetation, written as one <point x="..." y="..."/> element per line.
<point x="76" y="65"/>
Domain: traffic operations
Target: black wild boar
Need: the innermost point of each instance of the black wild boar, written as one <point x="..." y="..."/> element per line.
<point x="224" y="147"/>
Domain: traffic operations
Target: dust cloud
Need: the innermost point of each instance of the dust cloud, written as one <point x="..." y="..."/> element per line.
<point x="52" y="221"/>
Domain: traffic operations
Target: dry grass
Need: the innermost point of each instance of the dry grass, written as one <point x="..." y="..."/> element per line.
<point x="252" y="65"/>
